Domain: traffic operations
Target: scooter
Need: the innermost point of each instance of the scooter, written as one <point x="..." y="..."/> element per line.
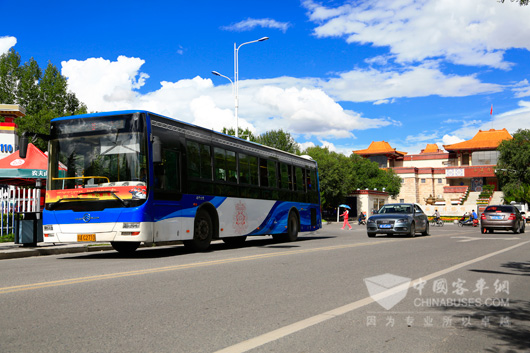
<point x="362" y="222"/>
<point x="465" y="222"/>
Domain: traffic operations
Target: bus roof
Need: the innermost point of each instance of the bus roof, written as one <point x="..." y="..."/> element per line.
<point x="125" y="112"/>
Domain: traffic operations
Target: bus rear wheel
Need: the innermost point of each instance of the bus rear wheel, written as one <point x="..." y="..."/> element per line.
<point x="202" y="232"/>
<point x="292" y="227"/>
<point x="125" y="247"/>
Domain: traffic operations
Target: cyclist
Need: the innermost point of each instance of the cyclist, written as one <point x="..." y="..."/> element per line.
<point x="436" y="215"/>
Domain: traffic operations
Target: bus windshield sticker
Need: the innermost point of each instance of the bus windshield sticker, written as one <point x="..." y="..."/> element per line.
<point x="137" y="192"/>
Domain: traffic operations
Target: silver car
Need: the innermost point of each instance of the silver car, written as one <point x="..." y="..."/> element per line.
<point x="399" y="219"/>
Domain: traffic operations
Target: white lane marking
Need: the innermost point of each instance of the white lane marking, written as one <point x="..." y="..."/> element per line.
<point x="317" y="319"/>
<point x="468" y="239"/>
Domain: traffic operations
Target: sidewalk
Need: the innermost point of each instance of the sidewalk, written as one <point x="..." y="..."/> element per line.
<point x="14" y="251"/>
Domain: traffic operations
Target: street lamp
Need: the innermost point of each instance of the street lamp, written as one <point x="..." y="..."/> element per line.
<point x="235" y="83"/>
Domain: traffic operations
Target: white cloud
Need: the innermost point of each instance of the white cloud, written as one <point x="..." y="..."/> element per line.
<point x="462" y="32"/>
<point x="522" y="89"/>
<point x="415" y="81"/>
<point x="306" y="145"/>
<point x="451" y="139"/>
<point x="103" y="84"/>
<point x="304" y="107"/>
<point x="345" y="150"/>
<point x="511" y="120"/>
<point x="311" y="111"/>
<point x="7" y="43"/>
<point x="283" y="103"/>
<point x="251" y="23"/>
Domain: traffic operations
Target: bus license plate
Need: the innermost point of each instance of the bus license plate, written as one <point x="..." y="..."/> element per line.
<point x="385" y="226"/>
<point x="86" y="237"/>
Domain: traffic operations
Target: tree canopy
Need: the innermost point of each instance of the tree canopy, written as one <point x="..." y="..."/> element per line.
<point x="513" y="167"/>
<point x="278" y="139"/>
<point x="341" y="175"/>
<point x="521" y="2"/>
<point x="44" y="94"/>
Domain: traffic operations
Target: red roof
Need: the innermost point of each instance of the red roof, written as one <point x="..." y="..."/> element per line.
<point x="483" y="140"/>
<point x="35" y="159"/>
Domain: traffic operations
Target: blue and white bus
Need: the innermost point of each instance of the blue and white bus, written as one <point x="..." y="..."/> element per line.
<point x="129" y="177"/>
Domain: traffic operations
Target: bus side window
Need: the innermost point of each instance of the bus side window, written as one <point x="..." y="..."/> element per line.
<point x="253" y="170"/>
<point x="231" y="166"/>
<point x="263" y="175"/>
<point x="220" y="163"/>
<point x="171" y="181"/>
<point x="299" y="179"/>
<point x="244" y="171"/>
<point x="284" y="176"/>
<point x="272" y="174"/>
<point x="194" y="158"/>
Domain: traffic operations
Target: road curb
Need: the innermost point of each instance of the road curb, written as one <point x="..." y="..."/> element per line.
<point x="21" y="253"/>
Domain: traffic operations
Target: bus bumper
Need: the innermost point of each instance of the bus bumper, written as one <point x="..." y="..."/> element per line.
<point x="101" y="232"/>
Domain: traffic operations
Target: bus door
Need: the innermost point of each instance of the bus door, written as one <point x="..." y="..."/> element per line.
<point x="167" y="196"/>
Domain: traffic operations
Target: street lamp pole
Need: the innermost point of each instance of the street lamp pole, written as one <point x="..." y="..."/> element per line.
<point x="235" y="83"/>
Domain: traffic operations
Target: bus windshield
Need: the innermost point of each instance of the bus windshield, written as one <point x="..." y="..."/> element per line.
<point x="101" y="159"/>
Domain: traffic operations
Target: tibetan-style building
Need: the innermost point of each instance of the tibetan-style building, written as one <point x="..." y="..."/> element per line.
<point x="381" y="153"/>
<point x="443" y="177"/>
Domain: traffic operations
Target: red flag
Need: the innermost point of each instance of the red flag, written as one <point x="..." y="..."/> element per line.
<point x="491" y="110"/>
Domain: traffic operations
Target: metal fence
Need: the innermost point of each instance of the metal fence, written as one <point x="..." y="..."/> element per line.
<point x="15" y="200"/>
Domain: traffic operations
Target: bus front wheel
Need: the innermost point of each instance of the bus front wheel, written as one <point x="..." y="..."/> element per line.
<point x="202" y="233"/>
<point x="125" y="247"/>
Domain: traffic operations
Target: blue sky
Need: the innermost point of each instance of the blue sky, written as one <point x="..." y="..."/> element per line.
<point x="333" y="73"/>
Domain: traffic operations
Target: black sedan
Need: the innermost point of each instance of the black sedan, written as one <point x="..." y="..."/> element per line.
<point x="399" y="219"/>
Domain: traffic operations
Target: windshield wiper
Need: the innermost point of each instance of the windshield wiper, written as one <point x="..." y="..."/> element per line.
<point x="103" y="191"/>
<point x="53" y="205"/>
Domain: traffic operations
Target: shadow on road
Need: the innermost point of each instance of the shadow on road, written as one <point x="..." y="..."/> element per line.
<point x="508" y="323"/>
<point x="178" y="250"/>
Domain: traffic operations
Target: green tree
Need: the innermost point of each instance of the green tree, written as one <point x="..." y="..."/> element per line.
<point x="244" y="134"/>
<point x="367" y="174"/>
<point x="335" y="175"/>
<point x="28" y="90"/>
<point x="280" y="140"/>
<point x="44" y="95"/>
<point x="9" y="76"/>
<point x="521" y="2"/>
<point x="513" y="167"/>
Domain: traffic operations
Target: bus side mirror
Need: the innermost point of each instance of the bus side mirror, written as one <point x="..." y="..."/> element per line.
<point x="157" y="150"/>
<point x="23" y="146"/>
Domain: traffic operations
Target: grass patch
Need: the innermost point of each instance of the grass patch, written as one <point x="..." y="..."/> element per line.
<point x="8" y="238"/>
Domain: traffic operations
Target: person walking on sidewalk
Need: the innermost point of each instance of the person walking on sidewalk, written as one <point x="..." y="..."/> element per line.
<point x="345" y="214"/>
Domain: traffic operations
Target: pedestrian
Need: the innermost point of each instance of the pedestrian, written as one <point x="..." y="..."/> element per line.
<point x="345" y="214"/>
<point x="361" y="218"/>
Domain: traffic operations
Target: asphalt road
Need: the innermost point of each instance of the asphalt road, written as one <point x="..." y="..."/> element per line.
<point x="332" y="291"/>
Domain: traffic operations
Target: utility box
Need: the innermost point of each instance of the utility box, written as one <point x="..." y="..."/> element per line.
<point x="28" y="228"/>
